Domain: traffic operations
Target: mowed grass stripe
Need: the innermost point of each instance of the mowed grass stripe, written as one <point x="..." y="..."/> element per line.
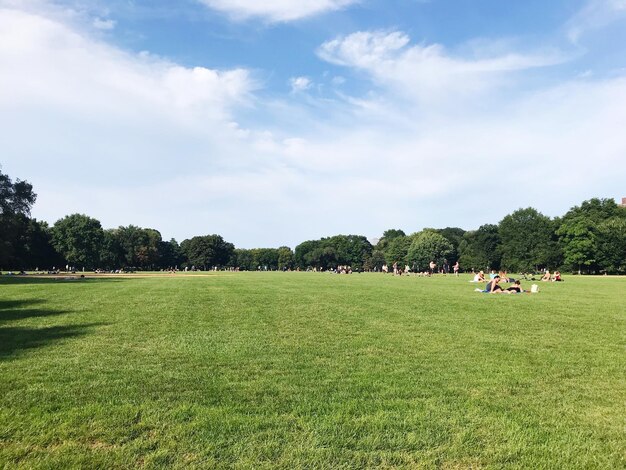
<point x="310" y="370"/>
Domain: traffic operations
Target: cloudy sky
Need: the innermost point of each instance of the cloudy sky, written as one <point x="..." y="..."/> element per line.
<point x="279" y="121"/>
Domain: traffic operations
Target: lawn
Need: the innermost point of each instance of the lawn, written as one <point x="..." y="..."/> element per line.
<point x="310" y="370"/>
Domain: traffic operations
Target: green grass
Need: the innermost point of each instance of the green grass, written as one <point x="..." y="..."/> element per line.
<point x="299" y="370"/>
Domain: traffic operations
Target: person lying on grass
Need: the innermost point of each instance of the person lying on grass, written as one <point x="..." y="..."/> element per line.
<point x="516" y="288"/>
<point x="494" y="287"/>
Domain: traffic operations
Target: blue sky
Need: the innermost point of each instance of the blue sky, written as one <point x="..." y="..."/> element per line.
<point x="275" y="122"/>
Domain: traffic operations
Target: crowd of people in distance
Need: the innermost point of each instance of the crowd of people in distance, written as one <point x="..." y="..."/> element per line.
<point x="397" y="269"/>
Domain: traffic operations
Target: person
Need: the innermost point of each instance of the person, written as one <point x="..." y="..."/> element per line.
<point x="516" y="288"/>
<point x="432" y="266"/>
<point x="546" y="277"/>
<point x="446" y="267"/>
<point x="494" y="286"/>
<point x="505" y="277"/>
<point x="479" y="277"/>
<point x="557" y="277"/>
<point x="492" y="274"/>
<point x="456" y="268"/>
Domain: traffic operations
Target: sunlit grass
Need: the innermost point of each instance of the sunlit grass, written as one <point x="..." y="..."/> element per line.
<point x="307" y="370"/>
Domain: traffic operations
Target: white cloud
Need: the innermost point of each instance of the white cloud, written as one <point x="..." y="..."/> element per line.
<point x="300" y="84"/>
<point x="277" y="10"/>
<point x="104" y="24"/>
<point x="426" y="72"/>
<point x="596" y="14"/>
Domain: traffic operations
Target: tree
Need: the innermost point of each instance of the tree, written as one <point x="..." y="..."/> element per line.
<point x="454" y="235"/>
<point x="140" y="246"/>
<point x="397" y="249"/>
<point x="579" y="230"/>
<point x="78" y="238"/>
<point x="428" y="246"/>
<point x="350" y="250"/>
<point x="16" y="200"/>
<point x="526" y="240"/>
<point x="479" y="248"/>
<point x="388" y="236"/>
<point x="207" y="251"/>
<point x="285" y="258"/>
<point x="611" y="242"/>
<point x="303" y="253"/>
<point x="111" y="251"/>
<point x="375" y="261"/>
<point x="169" y="254"/>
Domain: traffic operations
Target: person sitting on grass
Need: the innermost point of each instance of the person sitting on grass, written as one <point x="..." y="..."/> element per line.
<point x="546" y="277"/>
<point x="479" y="277"/>
<point x="516" y="288"/>
<point x="557" y="277"/>
<point x="493" y="286"/>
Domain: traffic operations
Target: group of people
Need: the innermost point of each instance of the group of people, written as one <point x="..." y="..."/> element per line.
<point x="432" y="269"/>
<point x="556" y="277"/>
<point x="494" y="287"/>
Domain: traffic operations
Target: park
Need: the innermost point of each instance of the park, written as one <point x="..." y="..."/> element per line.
<point x="320" y="234"/>
<point x="315" y="370"/>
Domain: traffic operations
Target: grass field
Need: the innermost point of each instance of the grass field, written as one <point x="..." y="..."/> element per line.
<point x="303" y="370"/>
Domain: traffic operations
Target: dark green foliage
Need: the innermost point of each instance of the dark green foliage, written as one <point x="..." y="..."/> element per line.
<point x="454" y="235"/>
<point x="579" y="233"/>
<point x="170" y="254"/>
<point x="79" y="238"/>
<point x="428" y="246"/>
<point x="16" y="200"/>
<point x="611" y="241"/>
<point x="479" y="249"/>
<point x="526" y="240"/>
<point x="207" y="251"/>
<point x="397" y="249"/>
<point x="349" y="250"/>
<point x="375" y="261"/>
<point x="140" y="246"/>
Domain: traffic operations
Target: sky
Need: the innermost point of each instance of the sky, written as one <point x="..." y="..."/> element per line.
<point x="275" y="122"/>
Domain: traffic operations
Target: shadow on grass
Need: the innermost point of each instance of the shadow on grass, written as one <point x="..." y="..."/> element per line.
<point x="13" y="310"/>
<point x="15" y="340"/>
<point x="60" y="279"/>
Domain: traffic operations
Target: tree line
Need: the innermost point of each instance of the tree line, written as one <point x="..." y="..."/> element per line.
<point x="589" y="238"/>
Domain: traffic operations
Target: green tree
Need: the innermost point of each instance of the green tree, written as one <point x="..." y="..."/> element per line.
<point x="579" y="233"/>
<point x="350" y="250"/>
<point x="78" y="238"/>
<point x="16" y="200"/>
<point x="397" y="250"/>
<point x="285" y="258"/>
<point x="111" y="251"/>
<point x="375" y="261"/>
<point x="207" y="251"/>
<point x="303" y="253"/>
<point x="169" y="254"/>
<point x="526" y="240"/>
<point x="611" y="241"/>
<point x="479" y="248"/>
<point x="454" y="235"/>
<point x="427" y="246"/>
<point x="140" y="246"/>
<point x="388" y="236"/>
